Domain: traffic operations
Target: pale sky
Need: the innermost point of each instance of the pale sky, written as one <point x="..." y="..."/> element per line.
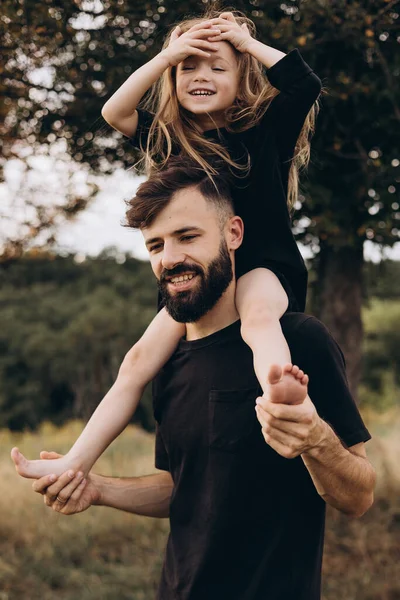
<point x="100" y="225"/>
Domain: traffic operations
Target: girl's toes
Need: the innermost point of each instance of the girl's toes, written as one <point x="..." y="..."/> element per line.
<point x="305" y="380"/>
<point x="295" y="370"/>
<point x="300" y="374"/>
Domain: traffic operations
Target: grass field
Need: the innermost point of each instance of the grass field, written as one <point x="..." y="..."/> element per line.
<point x="109" y="555"/>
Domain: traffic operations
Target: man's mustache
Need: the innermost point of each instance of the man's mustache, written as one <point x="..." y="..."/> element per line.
<point x="178" y="270"/>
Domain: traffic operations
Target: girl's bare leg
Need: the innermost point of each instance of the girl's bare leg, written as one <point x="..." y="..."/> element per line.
<point x="261" y="301"/>
<point x="140" y="365"/>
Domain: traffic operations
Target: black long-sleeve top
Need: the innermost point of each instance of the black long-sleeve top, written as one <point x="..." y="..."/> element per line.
<point x="260" y="198"/>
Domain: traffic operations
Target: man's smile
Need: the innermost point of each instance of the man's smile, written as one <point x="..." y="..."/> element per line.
<point x="181" y="282"/>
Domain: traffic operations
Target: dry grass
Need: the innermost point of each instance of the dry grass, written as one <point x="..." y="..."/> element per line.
<point x="100" y="554"/>
<point x="109" y="555"/>
<point x="362" y="556"/>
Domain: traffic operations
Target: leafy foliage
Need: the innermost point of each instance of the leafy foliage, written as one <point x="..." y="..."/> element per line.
<point x="62" y="59"/>
<point x="381" y="384"/>
<point x="65" y="330"/>
<point x="66" y="327"/>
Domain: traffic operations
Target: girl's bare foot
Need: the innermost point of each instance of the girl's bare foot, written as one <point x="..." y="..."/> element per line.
<point x="287" y="385"/>
<point x="34" y="469"/>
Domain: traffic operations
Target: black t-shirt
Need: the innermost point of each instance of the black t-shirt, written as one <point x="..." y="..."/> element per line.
<point x="261" y="198"/>
<point x="246" y="523"/>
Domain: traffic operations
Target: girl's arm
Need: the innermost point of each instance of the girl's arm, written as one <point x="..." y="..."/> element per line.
<point x="113" y="414"/>
<point x="120" y="110"/>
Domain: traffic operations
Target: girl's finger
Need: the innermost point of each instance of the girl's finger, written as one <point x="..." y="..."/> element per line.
<point x="228" y="16"/>
<point x="219" y="22"/>
<point x="202" y="25"/>
<point x="175" y="34"/>
<point x="226" y="35"/>
<point x="224" y="29"/>
<point x="202" y="33"/>
<point x="202" y="45"/>
<point x="198" y="52"/>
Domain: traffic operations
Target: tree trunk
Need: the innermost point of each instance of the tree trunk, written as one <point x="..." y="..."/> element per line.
<point x="339" y="302"/>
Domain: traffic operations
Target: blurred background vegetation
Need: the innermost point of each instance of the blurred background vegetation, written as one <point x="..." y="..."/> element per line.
<point x="66" y="326"/>
<point x="66" y="322"/>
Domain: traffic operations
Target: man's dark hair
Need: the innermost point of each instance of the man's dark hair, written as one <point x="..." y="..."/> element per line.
<point x="153" y="195"/>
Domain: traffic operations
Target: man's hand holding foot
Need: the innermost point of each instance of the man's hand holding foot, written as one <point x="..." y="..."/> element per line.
<point x="290" y="429"/>
<point x="69" y="493"/>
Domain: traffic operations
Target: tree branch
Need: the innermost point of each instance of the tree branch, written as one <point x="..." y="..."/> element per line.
<point x="389" y="81"/>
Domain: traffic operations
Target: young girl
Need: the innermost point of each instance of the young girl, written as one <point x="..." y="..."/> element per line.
<point x="212" y="98"/>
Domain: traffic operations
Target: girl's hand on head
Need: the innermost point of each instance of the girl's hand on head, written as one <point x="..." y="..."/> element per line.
<point x="238" y="35"/>
<point x="194" y="42"/>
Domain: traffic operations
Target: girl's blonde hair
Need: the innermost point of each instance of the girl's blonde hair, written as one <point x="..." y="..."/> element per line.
<point x="173" y="125"/>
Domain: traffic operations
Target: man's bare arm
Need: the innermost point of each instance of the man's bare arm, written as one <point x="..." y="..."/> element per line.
<point x="71" y="493"/>
<point x="148" y="496"/>
<point x="342" y="476"/>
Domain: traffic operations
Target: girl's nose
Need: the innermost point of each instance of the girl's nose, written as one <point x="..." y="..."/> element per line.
<point x="202" y="74"/>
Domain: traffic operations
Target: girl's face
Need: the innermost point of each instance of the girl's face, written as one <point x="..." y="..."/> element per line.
<point x="207" y="86"/>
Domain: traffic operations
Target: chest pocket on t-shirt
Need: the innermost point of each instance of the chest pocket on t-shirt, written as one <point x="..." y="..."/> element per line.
<point x="232" y="419"/>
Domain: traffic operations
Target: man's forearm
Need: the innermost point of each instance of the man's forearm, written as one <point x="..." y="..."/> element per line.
<point x="148" y="496"/>
<point x="345" y="480"/>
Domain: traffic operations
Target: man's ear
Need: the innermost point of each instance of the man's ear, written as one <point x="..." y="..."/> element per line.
<point x="235" y="232"/>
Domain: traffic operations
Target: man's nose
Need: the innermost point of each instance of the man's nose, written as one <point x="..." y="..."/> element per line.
<point x="172" y="256"/>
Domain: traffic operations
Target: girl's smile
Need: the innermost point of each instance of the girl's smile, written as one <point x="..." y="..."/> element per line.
<point x="207" y="86"/>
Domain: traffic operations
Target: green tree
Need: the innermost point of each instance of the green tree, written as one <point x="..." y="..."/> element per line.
<point x="91" y="47"/>
<point x="381" y="374"/>
<point x="65" y="330"/>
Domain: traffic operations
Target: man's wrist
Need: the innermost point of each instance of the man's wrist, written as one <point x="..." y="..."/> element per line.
<point x="99" y="482"/>
<point x="322" y="439"/>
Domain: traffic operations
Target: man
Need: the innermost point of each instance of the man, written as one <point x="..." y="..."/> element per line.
<point x="246" y="504"/>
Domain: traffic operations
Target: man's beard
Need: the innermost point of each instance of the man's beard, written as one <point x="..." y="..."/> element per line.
<point x="189" y="306"/>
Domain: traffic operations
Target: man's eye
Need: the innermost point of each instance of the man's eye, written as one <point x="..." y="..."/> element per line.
<point x="155" y="248"/>
<point x="187" y="238"/>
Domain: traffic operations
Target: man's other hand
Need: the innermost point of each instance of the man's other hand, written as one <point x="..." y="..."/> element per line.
<point x="69" y="493"/>
<point x="290" y="429"/>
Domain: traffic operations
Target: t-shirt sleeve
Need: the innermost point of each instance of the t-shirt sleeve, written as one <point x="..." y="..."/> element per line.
<point x="299" y="88"/>
<point x="145" y="119"/>
<point x="161" y="454"/>
<point x="328" y="388"/>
